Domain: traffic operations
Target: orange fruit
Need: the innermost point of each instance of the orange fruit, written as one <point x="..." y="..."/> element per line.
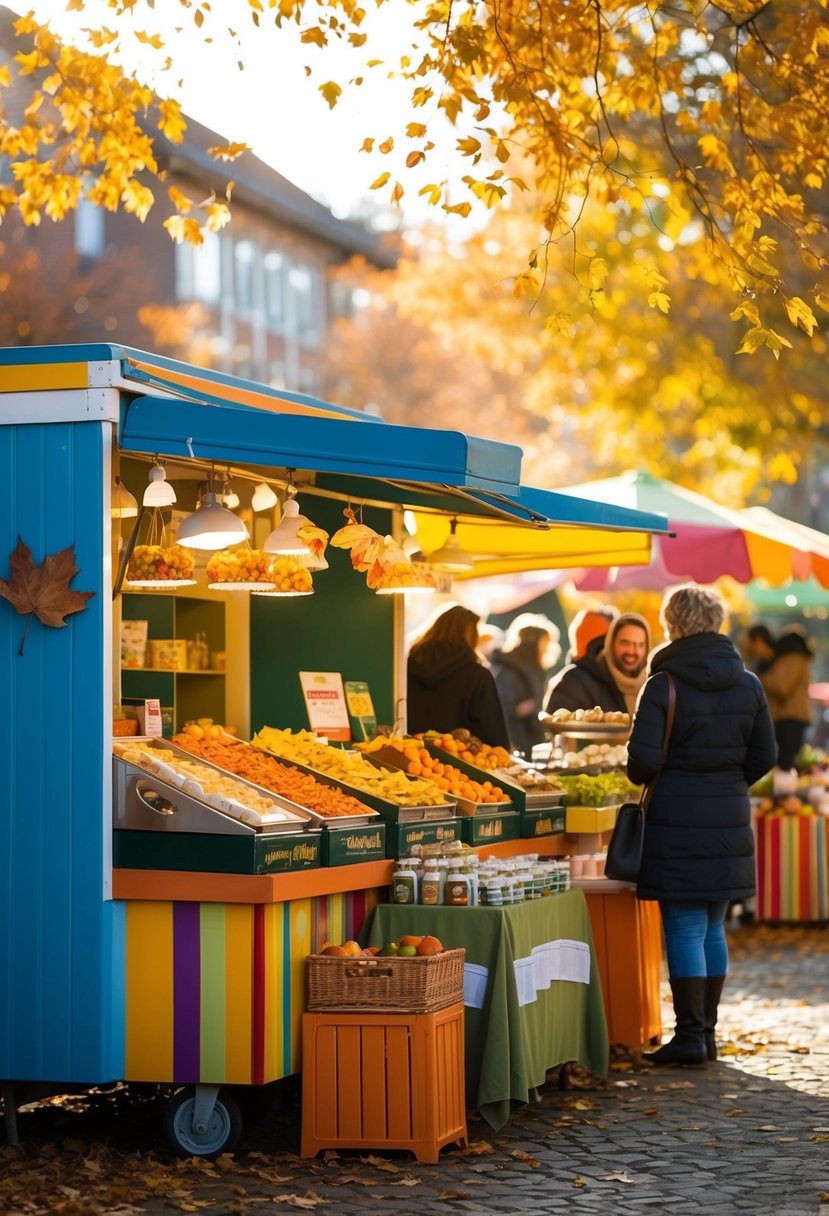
<point x="335" y="952"/>
<point x="429" y="945"/>
<point x="372" y="950"/>
<point x="409" y="940"/>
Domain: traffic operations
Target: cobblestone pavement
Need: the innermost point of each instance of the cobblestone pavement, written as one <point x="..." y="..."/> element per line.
<point x="749" y="1134"/>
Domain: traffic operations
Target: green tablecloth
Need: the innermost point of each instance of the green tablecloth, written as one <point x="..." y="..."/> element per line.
<point x="510" y="1045"/>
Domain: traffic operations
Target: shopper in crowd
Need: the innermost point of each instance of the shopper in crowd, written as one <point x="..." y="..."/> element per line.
<point x="611" y="673"/>
<point x="786" y="681"/>
<point x="586" y="626"/>
<point x="490" y="639"/>
<point x="448" y="685"/>
<point x="530" y="649"/>
<point x="760" y="648"/>
<point x="698" y="850"/>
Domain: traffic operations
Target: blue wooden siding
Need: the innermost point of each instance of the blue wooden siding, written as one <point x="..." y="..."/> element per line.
<point x="61" y="942"/>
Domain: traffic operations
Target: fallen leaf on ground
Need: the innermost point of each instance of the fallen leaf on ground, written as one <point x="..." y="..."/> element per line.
<point x="617" y="1178"/>
<point x="520" y="1155"/>
<point x="453" y="1195"/>
<point x="578" y="1181"/>
<point x="480" y="1148"/>
<point x="381" y="1164"/>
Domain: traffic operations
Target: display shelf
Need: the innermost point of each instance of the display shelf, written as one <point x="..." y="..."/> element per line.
<point x="177" y="617"/>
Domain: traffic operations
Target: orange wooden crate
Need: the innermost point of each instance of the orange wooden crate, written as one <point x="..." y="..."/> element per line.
<point x="627" y="938"/>
<point x="383" y="1080"/>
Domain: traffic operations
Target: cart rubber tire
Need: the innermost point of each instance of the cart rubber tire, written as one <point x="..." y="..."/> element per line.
<point x="223" y="1130"/>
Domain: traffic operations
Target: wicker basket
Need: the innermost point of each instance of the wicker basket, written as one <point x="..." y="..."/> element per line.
<point x="377" y="985"/>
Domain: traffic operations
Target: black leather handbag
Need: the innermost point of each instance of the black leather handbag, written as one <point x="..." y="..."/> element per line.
<point x="624" y="853"/>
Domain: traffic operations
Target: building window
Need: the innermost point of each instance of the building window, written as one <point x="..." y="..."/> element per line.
<point x="198" y="270"/>
<point x="89" y="229"/>
<point x="275" y="291"/>
<point x="303" y="296"/>
<point x="243" y="252"/>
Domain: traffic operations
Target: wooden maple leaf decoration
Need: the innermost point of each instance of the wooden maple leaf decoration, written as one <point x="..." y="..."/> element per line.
<point x="43" y="590"/>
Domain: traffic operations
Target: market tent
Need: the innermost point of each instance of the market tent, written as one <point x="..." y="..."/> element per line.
<point x="434" y="472"/>
<point x="710" y="540"/>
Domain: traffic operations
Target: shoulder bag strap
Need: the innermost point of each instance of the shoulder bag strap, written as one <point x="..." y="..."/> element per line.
<point x="647" y="792"/>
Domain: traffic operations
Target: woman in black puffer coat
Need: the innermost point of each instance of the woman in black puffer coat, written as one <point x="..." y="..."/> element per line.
<point x="698" y="852"/>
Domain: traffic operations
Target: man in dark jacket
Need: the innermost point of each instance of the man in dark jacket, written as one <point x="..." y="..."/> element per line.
<point x="611" y="673"/>
<point x="698" y="852"/>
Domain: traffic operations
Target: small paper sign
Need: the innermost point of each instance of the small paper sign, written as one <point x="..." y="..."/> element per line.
<point x="325" y="704"/>
<point x="360" y="710"/>
<point x="149" y="717"/>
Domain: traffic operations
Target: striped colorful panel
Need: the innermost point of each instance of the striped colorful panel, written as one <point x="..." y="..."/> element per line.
<point x="216" y="992"/>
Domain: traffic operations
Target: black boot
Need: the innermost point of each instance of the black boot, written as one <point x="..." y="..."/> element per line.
<point x="688" y="1044"/>
<point x="713" y="992"/>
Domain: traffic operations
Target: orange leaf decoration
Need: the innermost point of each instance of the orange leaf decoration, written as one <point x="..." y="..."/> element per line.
<point x="366" y="545"/>
<point x="43" y="591"/>
<point x="315" y="538"/>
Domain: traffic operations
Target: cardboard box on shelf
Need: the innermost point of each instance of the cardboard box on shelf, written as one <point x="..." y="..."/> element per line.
<point x="168" y="654"/>
<point x="133" y="643"/>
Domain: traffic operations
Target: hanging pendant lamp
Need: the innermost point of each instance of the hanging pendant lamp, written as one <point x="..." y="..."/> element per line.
<point x="452" y="556"/>
<point x="285" y="537"/>
<point x="211" y="526"/>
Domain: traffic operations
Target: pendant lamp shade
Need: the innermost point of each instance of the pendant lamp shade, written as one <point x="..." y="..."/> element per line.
<point x="264" y="498"/>
<point x="159" y="492"/>
<point x="123" y="505"/>
<point x="285" y="537"/>
<point x="452" y="556"/>
<point x="212" y="526"/>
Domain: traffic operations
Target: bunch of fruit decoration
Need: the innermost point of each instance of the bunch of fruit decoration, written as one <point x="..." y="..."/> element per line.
<point x="153" y="565"/>
<point x="239" y="570"/>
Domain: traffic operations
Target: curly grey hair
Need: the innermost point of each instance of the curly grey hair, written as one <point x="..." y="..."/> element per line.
<point x="691" y="609"/>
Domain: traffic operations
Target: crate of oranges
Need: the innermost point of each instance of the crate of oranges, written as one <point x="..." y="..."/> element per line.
<point x="414" y="974"/>
<point x="471" y="790"/>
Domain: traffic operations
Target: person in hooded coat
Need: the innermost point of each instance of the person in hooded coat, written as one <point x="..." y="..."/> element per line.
<point x="698" y="852"/>
<point x="448" y="686"/>
<point x="611" y="672"/>
<point x="520" y="669"/>
<point x="786" y="681"/>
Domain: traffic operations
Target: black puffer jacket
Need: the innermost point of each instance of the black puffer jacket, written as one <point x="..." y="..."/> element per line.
<point x="586" y="683"/>
<point x="449" y="688"/>
<point x="698" y="839"/>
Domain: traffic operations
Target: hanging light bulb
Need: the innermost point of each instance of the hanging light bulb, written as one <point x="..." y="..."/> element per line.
<point x="123" y="505"/>
<point x="285" y="537"/>
<point x="451" y="556"/>
<point x="229" y="498"/>
<point x="264" y="498"/>
<point x="211" y="526"/>
<point x="159" y="492"/>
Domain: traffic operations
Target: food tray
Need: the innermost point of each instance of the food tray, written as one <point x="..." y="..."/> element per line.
<point x="284" y="813"/>
<point x="586" y="730"/>
<point x="388" y="810"/>
<point x="314" y="817"/>
<point x="411" y="985"/>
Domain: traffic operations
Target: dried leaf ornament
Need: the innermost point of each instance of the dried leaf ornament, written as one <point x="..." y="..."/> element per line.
<point x="315" y="538"/>
<point x="366" y="545"/>
<point x="43" y="590"/>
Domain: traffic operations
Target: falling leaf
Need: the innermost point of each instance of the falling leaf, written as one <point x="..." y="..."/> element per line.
<point x="43" y="590"/>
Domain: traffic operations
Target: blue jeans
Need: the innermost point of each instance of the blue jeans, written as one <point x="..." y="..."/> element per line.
<point x="695" y="937"/>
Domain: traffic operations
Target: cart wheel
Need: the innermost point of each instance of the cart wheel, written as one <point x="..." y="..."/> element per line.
<point x="221" y="1134"/>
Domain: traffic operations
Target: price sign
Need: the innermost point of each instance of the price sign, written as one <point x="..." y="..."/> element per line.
<point x="360" y="709"/>
<point x="325" y="704"/>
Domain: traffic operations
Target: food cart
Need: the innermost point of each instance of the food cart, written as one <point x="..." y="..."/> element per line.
<point x="177" y="974"/>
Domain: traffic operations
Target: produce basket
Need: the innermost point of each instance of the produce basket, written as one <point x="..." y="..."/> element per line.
<point x="384" y="985"/>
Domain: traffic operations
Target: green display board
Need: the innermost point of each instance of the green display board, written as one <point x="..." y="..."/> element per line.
<point x="342" y="627"/>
